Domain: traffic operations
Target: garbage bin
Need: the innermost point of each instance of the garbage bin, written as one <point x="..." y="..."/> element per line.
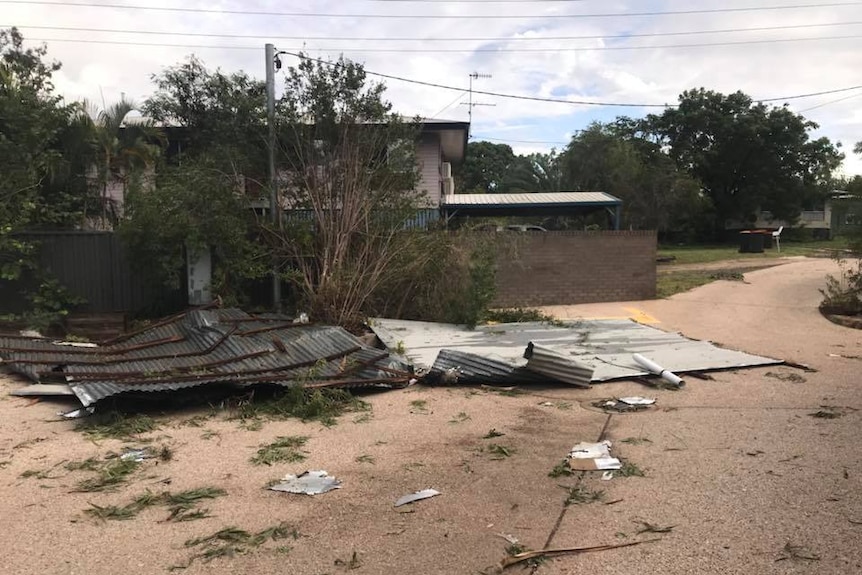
<point x="750" y="242"/>
<point x="767" y="239"/>
<point x="744" y="242"/>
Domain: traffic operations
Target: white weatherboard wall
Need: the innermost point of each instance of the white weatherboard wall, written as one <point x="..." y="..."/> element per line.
<point x="429" y="156"/>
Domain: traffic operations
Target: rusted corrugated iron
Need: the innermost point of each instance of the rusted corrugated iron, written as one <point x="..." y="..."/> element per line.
<point x="206" y="347"/>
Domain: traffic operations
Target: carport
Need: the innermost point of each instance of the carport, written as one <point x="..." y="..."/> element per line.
<point x="528" y="204"/>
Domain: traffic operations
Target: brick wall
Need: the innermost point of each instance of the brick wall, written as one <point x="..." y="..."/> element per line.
<point x="558" y="268"/>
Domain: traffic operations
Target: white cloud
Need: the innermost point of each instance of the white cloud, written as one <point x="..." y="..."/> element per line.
<point x="656" y="75"/>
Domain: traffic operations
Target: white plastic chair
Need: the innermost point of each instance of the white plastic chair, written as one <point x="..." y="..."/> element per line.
<point x="776" y="237"/>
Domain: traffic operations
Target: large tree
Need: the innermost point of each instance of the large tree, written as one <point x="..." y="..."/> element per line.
<point x="35" y="127"/>
<point x="536" y="172"/>
<point x="747" y="156"/>
<point x="622" y="160"/>
<point x="218" y="115"/>
<point x="487" y="169"/>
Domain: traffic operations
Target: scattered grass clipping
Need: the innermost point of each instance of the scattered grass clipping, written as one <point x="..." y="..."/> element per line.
<point x="109" y="476"/>
<point x="492" y="433"/>
<point x="182" y="505"/>
<point x="647" y="527"/>
<point x="579" y="495"/>
<point x="232" y="541"/>
<point x="460" y="417"/>
<point x="323" y="405"/>
<point x="115" y="425"/>
<point x="284" y="448"/>
<point x="562" y="469"/>
<point x="498" y="451"/>
<point x="629" y="469"/>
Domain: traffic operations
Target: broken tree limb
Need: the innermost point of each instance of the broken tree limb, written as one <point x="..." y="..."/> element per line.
<point x="527" y="555"/>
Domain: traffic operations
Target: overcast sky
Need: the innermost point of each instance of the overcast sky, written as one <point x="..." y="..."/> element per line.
<point x="811" y="49"/>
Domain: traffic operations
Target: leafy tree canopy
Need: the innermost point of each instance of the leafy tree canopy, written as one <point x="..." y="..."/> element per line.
<point x="746" y="156"/>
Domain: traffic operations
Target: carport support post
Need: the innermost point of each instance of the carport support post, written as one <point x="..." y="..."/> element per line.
<point x="274" y="208"/>
<point x="618" y="213"/>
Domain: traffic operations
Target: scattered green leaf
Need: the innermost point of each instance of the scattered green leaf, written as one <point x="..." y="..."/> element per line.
<point x="498" y="451"/>
<point x="562" y="469"/>
<point x="629" y="469"/>
<point x="647" y="527"/>
<point x="636" y="440"/>
<point x="365" y="458"/>
<point x="284" y="448"/>
<point x="579" y="494"/>
<point x="460" y="417"/>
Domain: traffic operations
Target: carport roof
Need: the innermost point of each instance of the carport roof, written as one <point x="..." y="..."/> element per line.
<point x="531" y="200"/>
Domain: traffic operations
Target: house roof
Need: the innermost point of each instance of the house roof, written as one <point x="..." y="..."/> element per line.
<point x="531" y="200"/>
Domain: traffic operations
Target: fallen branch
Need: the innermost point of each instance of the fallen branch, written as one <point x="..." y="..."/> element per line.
<point x="527" y="555"/>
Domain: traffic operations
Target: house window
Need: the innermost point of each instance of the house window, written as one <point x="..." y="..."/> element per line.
<point x="851" y="219"/>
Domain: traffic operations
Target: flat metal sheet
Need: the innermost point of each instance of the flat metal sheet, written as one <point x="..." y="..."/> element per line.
<point x="606" y="346"/>
<point x="43" y="390"/>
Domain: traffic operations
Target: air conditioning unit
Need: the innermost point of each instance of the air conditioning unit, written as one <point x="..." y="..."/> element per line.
<point x="447" y="170"/>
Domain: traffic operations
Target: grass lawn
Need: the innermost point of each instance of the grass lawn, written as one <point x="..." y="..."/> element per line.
<point x="695" y="254"/>
<point x="678" y="282"/>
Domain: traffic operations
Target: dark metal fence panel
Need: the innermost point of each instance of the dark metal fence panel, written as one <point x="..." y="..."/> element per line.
<point x="94" y="265"/>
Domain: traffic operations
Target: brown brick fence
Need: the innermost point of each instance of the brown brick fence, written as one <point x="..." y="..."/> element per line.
<point x="558" y="268"/>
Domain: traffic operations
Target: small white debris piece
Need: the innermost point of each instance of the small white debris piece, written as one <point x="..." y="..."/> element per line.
<point x="301" y="318"/>
<point x="547" y="404"/>
<point x="30" y="333"/>
<point x="607" y="475"/>
<point x="509" y="538"/>
<point x="136" y="455"/>
<point x="75" y="343"/>
<point x="309" y="483"/>
<point x="637" y="400"/>
<point x="586" y="450"/>
<point x="418" y="496"/>
<point x="593" y="456"/>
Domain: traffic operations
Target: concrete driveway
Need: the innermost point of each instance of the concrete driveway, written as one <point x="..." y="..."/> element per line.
<point x="747" y="478"/>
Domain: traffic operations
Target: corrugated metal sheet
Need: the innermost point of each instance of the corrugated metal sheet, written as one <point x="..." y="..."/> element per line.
<point x="606" y="346"/>
<point x="548" y="362"/>
<point x="204" y="347"/>
<point x="542" y="199"/>
<point x="452" y="366"/>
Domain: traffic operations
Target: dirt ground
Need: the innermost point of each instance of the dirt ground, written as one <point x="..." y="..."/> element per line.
<point x="748" y="479"/>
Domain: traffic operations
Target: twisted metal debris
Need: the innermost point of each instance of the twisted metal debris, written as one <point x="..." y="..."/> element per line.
<point x="205" y="347"/>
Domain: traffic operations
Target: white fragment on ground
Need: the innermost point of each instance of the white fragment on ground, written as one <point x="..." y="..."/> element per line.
<point x="418" y="496"/>
<point x="637" y="400"/>
<point x="308" y="483"/>
<point x="593" y="457"/>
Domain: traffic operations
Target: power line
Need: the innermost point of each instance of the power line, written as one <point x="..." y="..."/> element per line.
<point x="830" y="102"/>
<point x="445" y="87"/>
<point x="557" y="100"/>
<point x="430" y="16"/>
<point x="810" y="95"/>
<point x="506" y="141"/>
<point x="465" y="50"/>
<point x="449" y="105"/>
<point x="435" y="38"/>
